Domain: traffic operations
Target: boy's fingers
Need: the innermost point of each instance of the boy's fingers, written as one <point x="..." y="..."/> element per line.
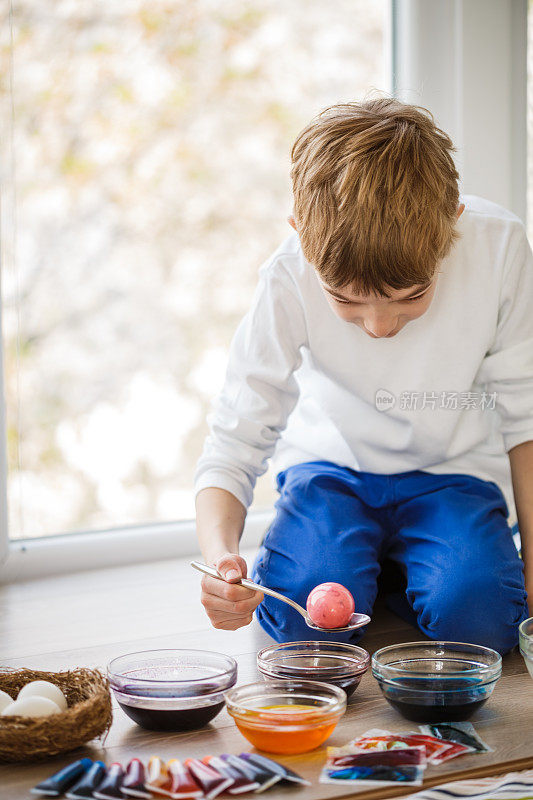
<point x="228" y="604"/>
<point x="231" y="623"/>
<point x="229" y="591"/>
<point x="217" y="603"/>
<point x="221" y="616"/>
<point x="231" y="567"/>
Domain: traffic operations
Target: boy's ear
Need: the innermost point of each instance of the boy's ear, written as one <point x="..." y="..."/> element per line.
<point x="460" y="210"/>
<point x="291" y="221"/>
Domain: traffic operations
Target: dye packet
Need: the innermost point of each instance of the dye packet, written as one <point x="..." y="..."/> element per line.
<point x="84" y="788"/>
<point x="109" y="786"/>
<point x="405" y="765"/>
<point x="459" y="732"/>
<point x="241" y="783"/>
<point x="133" y="782"/>
<point x="377" y="775"/>
<point x="264" y="777"/>
<point x="157" y="775"/>
<point x="59" y="782"/>
<point x="287" y="775"/>
<point x="437" y="750"/>
<point x="182" y="783"/>
<point x="210" y="781"/>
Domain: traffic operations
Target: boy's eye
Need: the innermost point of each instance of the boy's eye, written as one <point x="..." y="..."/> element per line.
<point x="356" y="303"/>
<point x="412" y="299"/>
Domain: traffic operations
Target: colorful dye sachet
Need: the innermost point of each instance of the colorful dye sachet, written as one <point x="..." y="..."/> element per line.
<point x="109" y="787"/>
<point x="182" y="784"/>
<point x="380" y="756"/>
<point x="462" y="733"/>
<point x="287" y="775"/>
<point x="59" y="782"/>
<point x="86" y="785"/>
<point x="405" y="765"/>
<point x="188" y="780"/>
<point x="241" y="783"/>
<point x="265" y="778"/>
<point x="211" y="782"/>
<point x="437" y="750"/>
<point x="133" y="784"/>
<point x="157" y="774"/>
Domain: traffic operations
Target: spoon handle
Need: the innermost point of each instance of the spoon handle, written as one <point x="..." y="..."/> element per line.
<point x="250" y="585"/>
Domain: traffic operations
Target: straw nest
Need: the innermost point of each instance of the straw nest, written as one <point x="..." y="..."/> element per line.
<point x="88" y="714"/>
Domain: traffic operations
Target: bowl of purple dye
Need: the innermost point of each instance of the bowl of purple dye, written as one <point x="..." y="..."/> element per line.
<point x="436" y="681"/>
<point x="338" y="663"/>
<point x="172" y="690"/>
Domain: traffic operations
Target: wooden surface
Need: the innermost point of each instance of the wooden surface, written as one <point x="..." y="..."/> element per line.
<point x="89" y="618"/>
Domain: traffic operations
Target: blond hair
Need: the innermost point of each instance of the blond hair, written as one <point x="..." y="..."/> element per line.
<point x="375" y="194"/>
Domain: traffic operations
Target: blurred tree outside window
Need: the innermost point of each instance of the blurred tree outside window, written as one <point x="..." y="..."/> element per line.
<point x="529" y="107"/>
<point x="147" y="181"/>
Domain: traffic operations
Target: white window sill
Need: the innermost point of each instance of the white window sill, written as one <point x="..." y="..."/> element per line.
<point x="52" y="555"/>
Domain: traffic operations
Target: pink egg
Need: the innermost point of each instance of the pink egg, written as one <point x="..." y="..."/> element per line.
<point x="330" y="605"/>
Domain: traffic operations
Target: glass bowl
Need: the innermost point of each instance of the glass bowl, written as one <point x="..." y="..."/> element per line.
<point x="341" y="664"/>
<point x="285" y="716"/>
<point x="525" y="637"/>
<point x="436" y="681"/>
<point x="172" y="690"/>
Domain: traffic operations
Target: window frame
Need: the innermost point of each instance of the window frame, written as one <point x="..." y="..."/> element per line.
<point x="74" y="552"/>
<point x="444" y="78"/>
<point x="473" y="78"/>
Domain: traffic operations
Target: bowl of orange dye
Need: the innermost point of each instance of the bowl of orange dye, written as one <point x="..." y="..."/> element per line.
<point x="286" y="716"/>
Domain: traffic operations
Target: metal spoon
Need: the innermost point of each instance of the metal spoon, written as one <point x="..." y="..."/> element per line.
<point x="356" y="620"/>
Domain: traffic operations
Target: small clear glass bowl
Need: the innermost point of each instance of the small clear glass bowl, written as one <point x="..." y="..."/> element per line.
<point x="436" y="681"/>
<point x="340" y="664"/>
<point x="525" y="638"/>
<point x="285" y="716"/>
<point x="172" y="690"/>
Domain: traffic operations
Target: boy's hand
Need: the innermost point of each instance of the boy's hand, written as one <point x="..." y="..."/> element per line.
<point x="228" y="605"/>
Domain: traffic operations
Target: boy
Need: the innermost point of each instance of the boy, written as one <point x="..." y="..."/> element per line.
<point x="387" y="363"/>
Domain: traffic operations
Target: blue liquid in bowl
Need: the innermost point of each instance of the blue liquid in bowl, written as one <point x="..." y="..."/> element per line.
<point x="442" y="699"/>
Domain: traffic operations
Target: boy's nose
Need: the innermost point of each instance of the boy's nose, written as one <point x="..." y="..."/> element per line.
<point x="379" y="327"/>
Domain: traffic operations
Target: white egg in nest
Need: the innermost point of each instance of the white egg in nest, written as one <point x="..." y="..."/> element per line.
<point x="31" y="707"/>
<point x="44" y="689"/>
<point x="5" y="700"/>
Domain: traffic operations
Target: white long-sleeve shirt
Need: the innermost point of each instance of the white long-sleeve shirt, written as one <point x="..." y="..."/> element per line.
<point x="452" y="392"/>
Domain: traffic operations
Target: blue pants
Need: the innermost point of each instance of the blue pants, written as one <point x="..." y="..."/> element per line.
<point x="448" y="534"/>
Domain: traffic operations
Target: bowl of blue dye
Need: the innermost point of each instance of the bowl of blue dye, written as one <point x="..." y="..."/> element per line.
<point x="172" y="690"/>
<point x="436" y="681"/>
<point x="525" y="638"/>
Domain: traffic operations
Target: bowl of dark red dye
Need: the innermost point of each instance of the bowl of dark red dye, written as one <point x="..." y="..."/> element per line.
<point x="340" y="664"/>
<point x="436" y="681"/>
<point x="172" y="690"/>
<point x="525" y="637"/>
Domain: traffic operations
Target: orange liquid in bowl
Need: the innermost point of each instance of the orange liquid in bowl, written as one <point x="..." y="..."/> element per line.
<point x="297" y="729"/>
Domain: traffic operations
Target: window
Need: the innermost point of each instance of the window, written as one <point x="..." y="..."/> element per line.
<point x="530" y="121"/>
<point x="146" y="182"/>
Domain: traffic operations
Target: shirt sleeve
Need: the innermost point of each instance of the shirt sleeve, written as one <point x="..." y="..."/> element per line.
<point x="507" y="370"/>
<point x="260" y="389"/>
